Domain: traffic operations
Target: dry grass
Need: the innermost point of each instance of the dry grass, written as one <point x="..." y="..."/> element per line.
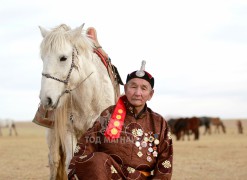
<point x="24" y="156"/>
<point x="213" y="157"/>
<point x="216" y="156"/>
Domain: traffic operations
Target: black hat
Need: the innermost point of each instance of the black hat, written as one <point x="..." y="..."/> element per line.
<point x="141" y="74"/>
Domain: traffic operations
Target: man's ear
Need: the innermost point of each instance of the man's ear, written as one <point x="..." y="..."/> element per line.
<point x="151" y="95"/>
<point x="125" y="87"/>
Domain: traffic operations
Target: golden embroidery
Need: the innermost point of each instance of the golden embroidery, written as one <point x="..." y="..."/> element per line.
<point x="113" y="170"/>
<point x="167" y="164"/>
<point x="137" y="132"/>
<point x="82" y="157"/>
<point x="169" y="135"/>
<point x="139" y="154"/>
<point x="130" y="169"/>
<point x="77" y="148"/>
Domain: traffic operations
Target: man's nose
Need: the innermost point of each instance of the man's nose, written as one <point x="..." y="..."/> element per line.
<point x="138" y="91"/>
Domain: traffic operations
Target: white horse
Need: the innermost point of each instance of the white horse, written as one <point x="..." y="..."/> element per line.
<point x="8" y="123"/>
<point x="76" y="86"/>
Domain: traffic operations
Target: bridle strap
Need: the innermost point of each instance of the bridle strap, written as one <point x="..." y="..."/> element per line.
<point x="67" y="91"/>
<point x="102" y="57"/>
<point x="68" y="76"/>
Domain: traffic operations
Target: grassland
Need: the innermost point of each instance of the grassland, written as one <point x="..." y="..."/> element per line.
<point x="213" y="157"/>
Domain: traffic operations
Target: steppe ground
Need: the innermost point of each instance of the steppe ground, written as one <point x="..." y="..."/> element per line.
<point x="212" y="157"/>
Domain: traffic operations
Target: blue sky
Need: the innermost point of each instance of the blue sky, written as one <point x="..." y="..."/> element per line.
<point x="196" y="50"/>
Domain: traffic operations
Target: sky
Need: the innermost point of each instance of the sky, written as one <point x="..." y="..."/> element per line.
<point x="196" y="51"/>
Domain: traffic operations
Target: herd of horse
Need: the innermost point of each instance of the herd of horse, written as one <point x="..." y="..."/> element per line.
<point x="190" y="125"/>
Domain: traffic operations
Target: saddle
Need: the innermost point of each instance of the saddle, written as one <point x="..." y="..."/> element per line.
<point x="112" y="70"/>
<point x="91" y="32"/>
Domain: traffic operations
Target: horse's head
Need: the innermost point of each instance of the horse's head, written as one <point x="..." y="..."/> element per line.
<point x="61" y="63"/>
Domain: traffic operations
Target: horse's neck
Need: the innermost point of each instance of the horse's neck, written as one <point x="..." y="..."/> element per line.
<point x="93" y="95"/>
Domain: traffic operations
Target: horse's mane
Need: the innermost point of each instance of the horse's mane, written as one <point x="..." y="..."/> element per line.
<point x="56" y="39"/>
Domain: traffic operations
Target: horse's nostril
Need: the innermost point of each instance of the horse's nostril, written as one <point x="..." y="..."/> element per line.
<point x="49" y="101"/>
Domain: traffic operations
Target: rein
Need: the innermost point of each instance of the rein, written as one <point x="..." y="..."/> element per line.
<point x="70" y="90"/>
<point x="66" y="81"/>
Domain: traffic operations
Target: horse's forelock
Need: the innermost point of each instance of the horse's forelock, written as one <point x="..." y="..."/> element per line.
<point x="60" y="35"/>
<point x="62" y="27"/>
<point x="54" y="41"/>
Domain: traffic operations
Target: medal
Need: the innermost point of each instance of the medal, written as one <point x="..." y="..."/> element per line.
<point x="156" y="136"/>
<point x="146" y="139"/>
<point x="139" y="132"/>
<point x="150" y="142"/>
<point x="137" y="143"/>
<point x="156" y="141"/>
<point x="151" y="139"/>
<point x="155" y="154"/>
<point x="149" y="159"/>
<point x="150" y="149"/>
<point x="144" y="144"/>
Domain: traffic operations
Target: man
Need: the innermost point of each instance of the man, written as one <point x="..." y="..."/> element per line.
<point x="128" y="140"/>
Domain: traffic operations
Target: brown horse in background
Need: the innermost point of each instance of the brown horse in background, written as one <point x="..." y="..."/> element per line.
<point x="240" y="127"/>
<point x="218" y="123"/>
<point x="206" y="121"/>
<point x="183" y="126"/>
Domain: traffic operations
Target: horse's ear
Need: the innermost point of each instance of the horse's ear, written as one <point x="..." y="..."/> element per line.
<point x="43" y="31"/>
<point x="75" y="33"/>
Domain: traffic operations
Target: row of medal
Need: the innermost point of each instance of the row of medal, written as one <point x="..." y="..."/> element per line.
<point x="149" y="140"/>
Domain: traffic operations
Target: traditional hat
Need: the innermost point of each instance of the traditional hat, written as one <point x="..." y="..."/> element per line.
<point x="141" y="74"/>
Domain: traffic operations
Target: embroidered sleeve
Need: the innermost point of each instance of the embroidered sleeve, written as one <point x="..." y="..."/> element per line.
<point x="163" y="168"/>
<point x="89" y="142"/>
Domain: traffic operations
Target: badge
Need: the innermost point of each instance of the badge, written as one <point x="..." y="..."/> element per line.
<point x="149" y="159"/>
<point x="144" y="144"/>
<point x="139" y="154"/>
<point x="156" y="141"/>
<point x="137" y="143"/>
<point x="155" y="154"/>
<point x="150" y="149"/>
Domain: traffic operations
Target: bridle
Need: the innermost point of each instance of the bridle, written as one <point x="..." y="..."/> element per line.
<point x="66" y="81"/>
<point x="68" y="90"/>
<point x="70" y="70"/>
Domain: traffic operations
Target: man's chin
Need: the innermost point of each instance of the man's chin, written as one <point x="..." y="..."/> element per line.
<point x="137" y="103"/>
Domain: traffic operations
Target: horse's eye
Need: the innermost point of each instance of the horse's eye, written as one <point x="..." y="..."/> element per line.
<point x="63" y="58"/>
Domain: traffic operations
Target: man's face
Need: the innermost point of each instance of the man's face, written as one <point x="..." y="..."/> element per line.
<point x="138" y="92"/>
